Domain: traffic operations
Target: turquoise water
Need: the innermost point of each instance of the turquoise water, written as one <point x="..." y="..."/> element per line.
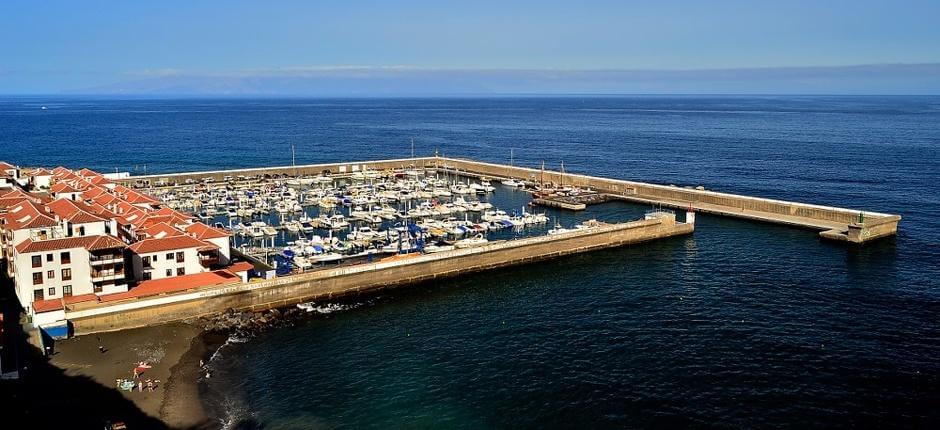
<point x="740" y="325"/>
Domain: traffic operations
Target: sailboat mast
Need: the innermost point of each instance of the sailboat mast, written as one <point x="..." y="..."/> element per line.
<point x="542" y="176"/>
<point x="412" y="147"/>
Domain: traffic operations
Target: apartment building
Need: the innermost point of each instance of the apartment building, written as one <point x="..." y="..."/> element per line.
<point x="82" y="237"/>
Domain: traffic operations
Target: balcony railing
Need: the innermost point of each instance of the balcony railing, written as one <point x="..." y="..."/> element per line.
<point x="106" y="274"/>
<point x="207" y="261"/>
<point x="105" y="259"/>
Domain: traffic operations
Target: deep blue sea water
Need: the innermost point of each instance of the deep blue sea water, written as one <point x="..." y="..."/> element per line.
<point x="740" y="325"/>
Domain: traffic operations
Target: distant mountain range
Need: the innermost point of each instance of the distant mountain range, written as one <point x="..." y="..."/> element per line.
<point x="403" y="81"/>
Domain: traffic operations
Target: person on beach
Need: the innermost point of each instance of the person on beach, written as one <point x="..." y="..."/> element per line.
<point x="140" y="386"/>
<point x="150" y="385"/>
<point x="135" y="373"/>
<point x="100" y="346"/>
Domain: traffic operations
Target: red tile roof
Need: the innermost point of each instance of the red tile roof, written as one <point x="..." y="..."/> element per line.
<point x="6" y="166"/>
<point x="27" y="214"/>
<point x="91" y="243"/>
<point x="56" y="304"/>
<point x="39" y="172"/>
<point x="138" y="198"/>
<point x="203" y="232"/>
<point x="6" y="202"/>
<point x="103" y="199"/>
<point x="74" y="212"/>
<point x="63" y="187"/>
<point x="175" y="284"/>
<point x="100" y="181"/>
<point x="86" y="172"/>
<point x="241" y="266"/>
<point x="148" y="246"/>
<point x="47" y="305"/>
<point x="93" y="192"/>
<point x="161" y="230"/>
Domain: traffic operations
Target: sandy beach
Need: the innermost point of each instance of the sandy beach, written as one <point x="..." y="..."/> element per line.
<point x="173" y="351"/>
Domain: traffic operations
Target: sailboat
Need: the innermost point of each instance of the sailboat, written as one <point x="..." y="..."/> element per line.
<point x="512" y="182"/>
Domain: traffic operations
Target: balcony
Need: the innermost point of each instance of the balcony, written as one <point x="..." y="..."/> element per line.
<point x="208" y="260"/>
<point x="96" y="260"/>
<point x="101" y="275"/>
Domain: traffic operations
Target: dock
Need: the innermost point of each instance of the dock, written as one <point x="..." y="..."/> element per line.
<point x="365" y="278"/>
<point x="360" y="277"/>
<point x="834" y="223"/>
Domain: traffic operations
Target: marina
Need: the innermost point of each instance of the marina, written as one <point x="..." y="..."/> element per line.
<point x="330" y="230"/>
<point x="835" y="223"/>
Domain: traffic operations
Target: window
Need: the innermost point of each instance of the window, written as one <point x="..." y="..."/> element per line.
<point x="155" y="257"/>
<point x="51" y="291"/>
<point x="169" y="272"/>
<point x="37" y="261"/>
<point x="37" y="294"/>
<point x="66" y="274"/>
<point x="81" y="231"/>
<point x="146" y="261"/>
<point x="67" y="290"/>
<point x="48" y="257"/>
<point x="169" y="256"/>
<point x="50" y="274"/>
<point x="180" y="257"/>
<point x="180" y="271"/>
<point x="146" y="276"/>
<point x="37" y="278"/>
<point x="97" y="288"/>
<point x="66" y="257"/>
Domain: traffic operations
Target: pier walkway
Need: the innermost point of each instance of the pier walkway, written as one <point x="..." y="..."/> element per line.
<point x="843" y="224"/>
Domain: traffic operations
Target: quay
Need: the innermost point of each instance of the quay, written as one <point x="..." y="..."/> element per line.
<point x="834" y="223"/>
<point x="363" y="278"/>
<point x="128" y="259"/>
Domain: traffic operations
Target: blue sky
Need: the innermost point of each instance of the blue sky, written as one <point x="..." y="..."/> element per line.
<point x="112" y="46"/>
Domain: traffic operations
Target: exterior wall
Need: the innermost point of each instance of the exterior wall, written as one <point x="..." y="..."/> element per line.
<point x="91" y="229"/>
<point x="48" y="318"/>
<point x="69" y="196"/>
<point x="81" y="274"/>
<point x="41" y="182"/>
<point x="225" y="251"/>
<point x="159" y="264"/>
<point x="362" y="278"/>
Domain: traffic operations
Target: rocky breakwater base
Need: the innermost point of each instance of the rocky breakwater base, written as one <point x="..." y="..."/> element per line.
<point x="246" y="324"/>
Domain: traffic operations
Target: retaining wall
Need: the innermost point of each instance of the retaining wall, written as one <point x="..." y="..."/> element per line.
<point x="365" y="277"/>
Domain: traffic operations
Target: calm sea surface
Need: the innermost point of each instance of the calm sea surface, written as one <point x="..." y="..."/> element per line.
<point x="740" y="325"/>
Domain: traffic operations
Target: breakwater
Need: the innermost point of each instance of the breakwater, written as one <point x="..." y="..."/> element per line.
<point x="834" y="223"/>
<point x="364" y="278"/>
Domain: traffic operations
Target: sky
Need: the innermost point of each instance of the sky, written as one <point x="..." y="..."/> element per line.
<point x="389" y="47"/>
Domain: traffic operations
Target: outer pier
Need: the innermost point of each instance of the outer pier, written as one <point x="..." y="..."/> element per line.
<point x="842" y="224"/>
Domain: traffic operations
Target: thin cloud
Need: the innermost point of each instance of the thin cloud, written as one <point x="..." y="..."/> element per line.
<point x="359" y="80"/>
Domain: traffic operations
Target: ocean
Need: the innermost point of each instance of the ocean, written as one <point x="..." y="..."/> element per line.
<point x="742" y="324"/>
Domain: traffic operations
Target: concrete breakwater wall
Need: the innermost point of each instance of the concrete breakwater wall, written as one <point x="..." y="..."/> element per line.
<point x="837" y="223"/>
<point x="363" y="278"/>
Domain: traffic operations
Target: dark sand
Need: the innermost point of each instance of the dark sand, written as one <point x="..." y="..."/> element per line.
<point x="174" y="351"/>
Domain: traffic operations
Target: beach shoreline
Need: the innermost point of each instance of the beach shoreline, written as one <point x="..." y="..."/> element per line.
<point x="183" y="405"/>
<point x="173" y="350"/>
